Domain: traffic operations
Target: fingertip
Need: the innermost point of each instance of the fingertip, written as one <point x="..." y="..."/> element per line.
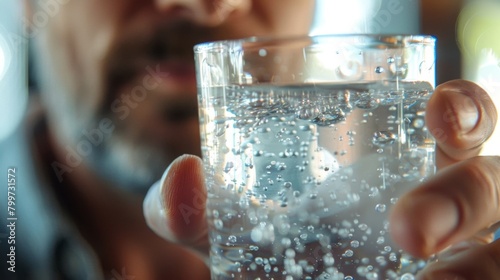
<point x="184" y="195"/>
<point x="154" y="212"/>
<point x="174" y="207"/>
<point x="461" y="117"/>
<point x="422" y="223"/>
<point x="404" y="233"/>
<point x="453" y="111"/>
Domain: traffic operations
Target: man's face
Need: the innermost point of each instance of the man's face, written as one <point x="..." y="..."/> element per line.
<point x="124" y="70"/>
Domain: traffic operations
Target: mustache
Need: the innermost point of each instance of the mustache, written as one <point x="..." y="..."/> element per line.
<point x="142" y="48"/>
<point x="138" y="49"/>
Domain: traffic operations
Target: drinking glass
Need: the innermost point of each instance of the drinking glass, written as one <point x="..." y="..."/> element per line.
<point x="307" y="144"/>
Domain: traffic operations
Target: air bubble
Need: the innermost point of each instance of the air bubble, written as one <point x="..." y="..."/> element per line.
<point x="328" y="259"/>
<point x="263" y="234"/>
<point x="379" y="69"/>
<point x="228" y="167"/>
<point x="290" y="253"/>
<point x="372" y="276"/>
<point x="286" y="242"/>
<point x="398" y="69"/>
<point x="380" y="240"/>
<point x="381" y="260"/>
<point x="418" y="123"/>
<point x="232" y="238"/>
<point x="367" y="103"/>
<point x="393" y="257"/>
<point x="407" y="276"/>
<point x="383" y="138"/>
<point x="348" y="253"/>
<point x="218" y="224"/>
<point x="258" y="153"/>
<point x="330" y="118"/>
<point x="362" y="270"/>
<point x="380" y="208"/>
<point x="307" y="112"/>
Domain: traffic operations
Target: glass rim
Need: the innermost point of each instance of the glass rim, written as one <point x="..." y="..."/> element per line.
<point x="398" y="40"/>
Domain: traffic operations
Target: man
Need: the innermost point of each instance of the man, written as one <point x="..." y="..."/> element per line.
<point x="118" y="104"/>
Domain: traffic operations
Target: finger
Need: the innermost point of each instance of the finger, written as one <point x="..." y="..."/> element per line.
<point x="479" y="262"/>
<point x="451" y="207"/>
<point x="175" y="206"/>
<point x="461" y="116"/>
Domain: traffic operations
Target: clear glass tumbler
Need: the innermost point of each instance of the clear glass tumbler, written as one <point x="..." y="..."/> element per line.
<point x="307" y="144"/>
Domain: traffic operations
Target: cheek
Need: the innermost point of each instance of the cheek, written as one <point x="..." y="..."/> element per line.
<point x="78" y="41"/>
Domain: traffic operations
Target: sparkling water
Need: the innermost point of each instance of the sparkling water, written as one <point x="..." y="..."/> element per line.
<point x="301" y="178"/>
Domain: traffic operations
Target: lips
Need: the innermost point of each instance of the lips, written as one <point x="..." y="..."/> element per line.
<point x="176" y="71"/>
<point x="170" y="43"/>
<point x="165" y="53"/>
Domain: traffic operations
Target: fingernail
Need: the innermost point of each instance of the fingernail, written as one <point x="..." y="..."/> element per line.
<point x="466" y="112"/>
<point x="154" y="212"/>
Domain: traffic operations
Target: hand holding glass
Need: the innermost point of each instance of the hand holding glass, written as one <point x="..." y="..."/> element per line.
<point x="307" y="143"/>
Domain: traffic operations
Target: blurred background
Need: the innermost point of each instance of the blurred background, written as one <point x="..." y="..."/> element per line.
<point x="467" y="32"/>
<point x="13" y="66"/>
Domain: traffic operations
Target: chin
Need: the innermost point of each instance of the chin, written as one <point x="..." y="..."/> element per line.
<point x="136" y="154"/>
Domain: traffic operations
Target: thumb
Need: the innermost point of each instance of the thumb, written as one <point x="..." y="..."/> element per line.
<point x="175" y="206"/>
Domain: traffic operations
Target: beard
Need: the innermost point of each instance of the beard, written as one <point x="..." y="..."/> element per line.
<point x="128" y="165"/>
<point x="128" y="154"/>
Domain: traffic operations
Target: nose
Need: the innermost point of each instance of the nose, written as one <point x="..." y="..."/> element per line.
<point x="205" y="12"/>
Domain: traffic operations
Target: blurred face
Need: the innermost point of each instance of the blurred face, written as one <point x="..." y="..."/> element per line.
<point x="119" y="74"/>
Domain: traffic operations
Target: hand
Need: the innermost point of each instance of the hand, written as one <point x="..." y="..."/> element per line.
<point x="456" y="207"/>
<point x="175" y="206"/>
